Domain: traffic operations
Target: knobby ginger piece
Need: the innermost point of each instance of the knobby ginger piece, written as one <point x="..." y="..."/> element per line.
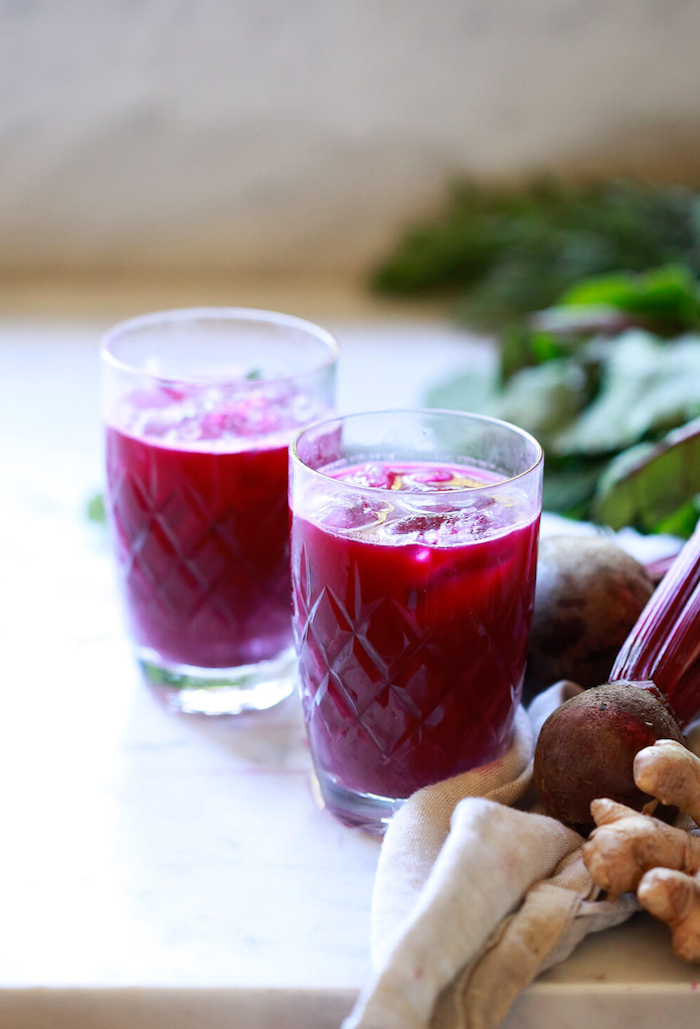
<point x="674" y="898"/>
<point x="627" y="844"/>
<point x="669" y="771"/>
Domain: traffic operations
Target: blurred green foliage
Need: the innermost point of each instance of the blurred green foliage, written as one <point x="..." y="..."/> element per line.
<point x="591" y="396"/>
<point x="593" y="294"/>
<point x="503" y="253"/>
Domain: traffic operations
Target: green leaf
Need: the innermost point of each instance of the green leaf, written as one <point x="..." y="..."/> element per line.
<point x="647" y="387"/>
<point x="648" y="483"/>
<point x="666" y="297"/>
<point x="522" y="347"/>
<point x="96" y="509"/>
<point x="681" y="522"/>
<point x="515" y="350"/>
<point x="569" y="490"/>
<point x="467" y="392"/>
<point x="542" y="399"/>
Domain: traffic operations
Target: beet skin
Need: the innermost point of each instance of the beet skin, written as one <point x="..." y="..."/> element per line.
<point x="589" y="595"/>
<point x="586" y="749"/>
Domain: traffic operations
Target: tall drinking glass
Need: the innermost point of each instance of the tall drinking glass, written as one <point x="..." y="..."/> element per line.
<point x="414" y="546"/>
<point x="199" y="407"/>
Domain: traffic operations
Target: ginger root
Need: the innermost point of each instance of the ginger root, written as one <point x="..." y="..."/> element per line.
<point x="627" y="844"/>
<point x="674" y="898"/>
<point x="669" y="771"/>
<point x="629" y="851"/>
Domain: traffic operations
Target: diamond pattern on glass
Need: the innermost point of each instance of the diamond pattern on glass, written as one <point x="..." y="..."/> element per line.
<point x="336" y="641"/>
<point x="189" y="558"/>
<point x="392" y="699"/>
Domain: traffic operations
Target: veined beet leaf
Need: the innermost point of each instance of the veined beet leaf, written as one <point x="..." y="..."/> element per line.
<point x="648" y="387"/>
<point x="647" y="484"/>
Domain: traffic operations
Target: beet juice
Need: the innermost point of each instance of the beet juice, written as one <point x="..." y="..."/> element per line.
<point x="201" y="536"/>
<point x="197" y="476"/>
<point x="412" y="613"/>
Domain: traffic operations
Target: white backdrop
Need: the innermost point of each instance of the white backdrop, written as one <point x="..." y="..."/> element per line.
<point x="275" y="134"/>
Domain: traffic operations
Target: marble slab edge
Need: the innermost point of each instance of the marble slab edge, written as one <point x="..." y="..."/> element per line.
<point x="559" y="1006"/>
<point x="172" y="1008"/>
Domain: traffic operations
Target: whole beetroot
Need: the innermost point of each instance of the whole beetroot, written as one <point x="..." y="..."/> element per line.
<point x="589" y="595"/>
<point x="586" y="748"/>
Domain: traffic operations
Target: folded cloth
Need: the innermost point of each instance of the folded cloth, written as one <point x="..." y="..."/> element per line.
<point x="474" y="897"/>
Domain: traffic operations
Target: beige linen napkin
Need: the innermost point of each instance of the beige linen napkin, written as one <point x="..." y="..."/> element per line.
<point x="474" y="897"/>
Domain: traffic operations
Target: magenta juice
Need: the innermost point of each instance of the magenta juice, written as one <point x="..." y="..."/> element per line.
<point x="197" y="497"/>
<point x="412" y="613"/>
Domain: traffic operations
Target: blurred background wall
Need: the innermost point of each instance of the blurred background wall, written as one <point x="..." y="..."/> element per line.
<point x="259" y="135"/>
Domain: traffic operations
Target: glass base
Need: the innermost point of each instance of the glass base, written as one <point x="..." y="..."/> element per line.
<point x="365" y="811"/>
<point x="220" y="691"/>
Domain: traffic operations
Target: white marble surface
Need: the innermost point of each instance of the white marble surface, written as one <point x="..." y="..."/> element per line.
<point x="175" y="871"/>
<point x="283" y="133"/>
<point x="150" y="850"/>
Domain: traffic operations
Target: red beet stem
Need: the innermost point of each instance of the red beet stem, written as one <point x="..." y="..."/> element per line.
<point x="664" y="644"/>
<point x="657" y="568"/>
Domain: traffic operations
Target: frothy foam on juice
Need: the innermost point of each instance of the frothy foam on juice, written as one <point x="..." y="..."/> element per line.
<point x="235" y="416"/>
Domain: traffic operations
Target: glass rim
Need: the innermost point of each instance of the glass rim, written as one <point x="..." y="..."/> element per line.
<point x="232" y="314"/>
<point x="382" y="490"/>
